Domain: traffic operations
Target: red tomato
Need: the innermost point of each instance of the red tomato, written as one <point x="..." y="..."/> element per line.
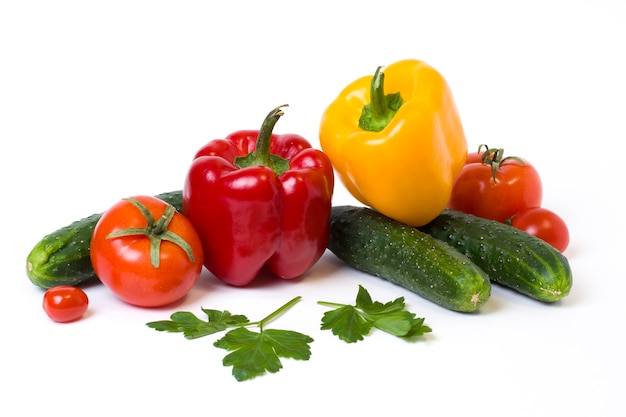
<point x="65" y="303"/>
<point x="517" y="186"/>
<point x="477" y="156"/>
<point x="474" y="157"/>
<point x="126" y="264"/>
<point x="544" y="224"/>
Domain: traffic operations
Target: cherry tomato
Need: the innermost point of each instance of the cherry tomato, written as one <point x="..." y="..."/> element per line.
<point x="65" y="303"/>
<point x="496" y="188"/>
<point x="146" y="252"/>
<point x="544" y="224"/>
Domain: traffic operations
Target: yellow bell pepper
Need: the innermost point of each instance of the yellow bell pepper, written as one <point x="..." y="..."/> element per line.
<point x="398" y="153"/>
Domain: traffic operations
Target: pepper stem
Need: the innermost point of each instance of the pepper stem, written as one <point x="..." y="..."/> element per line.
<point x="262" y="156"/>
<point x="377" y="95"/>
<point x="376" y="115"/>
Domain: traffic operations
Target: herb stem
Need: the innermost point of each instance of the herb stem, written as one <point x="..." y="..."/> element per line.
<point x="329" y="304"/>
<point x="278" y="311"/>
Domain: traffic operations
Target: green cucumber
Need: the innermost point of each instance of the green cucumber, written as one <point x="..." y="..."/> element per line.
<point x="511" y="257"/>
<point x="62" y="257"/>
<point x="373" y="243"/>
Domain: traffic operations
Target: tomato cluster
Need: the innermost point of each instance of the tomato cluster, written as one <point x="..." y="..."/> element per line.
<point x="142" y="249"/>
<point x="507" y="189"/>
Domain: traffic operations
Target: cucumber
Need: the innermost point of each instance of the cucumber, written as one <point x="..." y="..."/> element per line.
<point x="373" y="243"/>
<point x="511" y="257"/>
<point x="62" y="257"/>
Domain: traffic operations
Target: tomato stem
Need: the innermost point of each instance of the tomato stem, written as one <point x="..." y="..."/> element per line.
<point x="493" y="157"/>
<point x="156" y="231"/>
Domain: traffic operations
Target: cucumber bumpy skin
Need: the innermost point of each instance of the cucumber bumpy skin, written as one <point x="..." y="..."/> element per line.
<point x="373" y="243"/>
<point x="62" y="257"/>
<point x="511" y="257"/>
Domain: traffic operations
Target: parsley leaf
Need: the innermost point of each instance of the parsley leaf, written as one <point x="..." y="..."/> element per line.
<point x="352" y="322"/>
<point x="252" y="353"/>
<point x="347" y="323"/>
<point x="193" y="327"/>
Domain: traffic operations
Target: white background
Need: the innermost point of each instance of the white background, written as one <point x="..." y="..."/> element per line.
<point x="103" y="100"/>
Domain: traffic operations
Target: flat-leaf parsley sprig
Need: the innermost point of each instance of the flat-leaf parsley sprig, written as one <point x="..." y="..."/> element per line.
<point x="352" y="322"/>
<point x="252" y="353"/>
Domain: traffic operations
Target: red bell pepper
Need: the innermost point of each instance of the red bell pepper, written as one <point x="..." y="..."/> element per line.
<point x="259" y="199"/>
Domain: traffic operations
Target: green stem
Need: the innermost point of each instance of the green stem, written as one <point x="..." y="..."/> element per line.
<point x="382" y="107"/>
<point x="279" y="311"/>
<point x="265" y="136"/>
<point x="377" y="95"/>
<point x="329" y="304"/>
<point x="156" y="231"/>
<point x="493" y="157"/>
<point x="262" y="155"/>
<point x="161" y="225"/>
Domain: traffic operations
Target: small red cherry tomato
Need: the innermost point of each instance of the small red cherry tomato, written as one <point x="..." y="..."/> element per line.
<point x="65" y="303"/>
<point x="146" y="252"/>
<point x="544" y="224"/>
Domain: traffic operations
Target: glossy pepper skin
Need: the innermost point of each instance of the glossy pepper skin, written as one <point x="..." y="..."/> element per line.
<point x="253" y="210"/>
<point x="405" y="158"/>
